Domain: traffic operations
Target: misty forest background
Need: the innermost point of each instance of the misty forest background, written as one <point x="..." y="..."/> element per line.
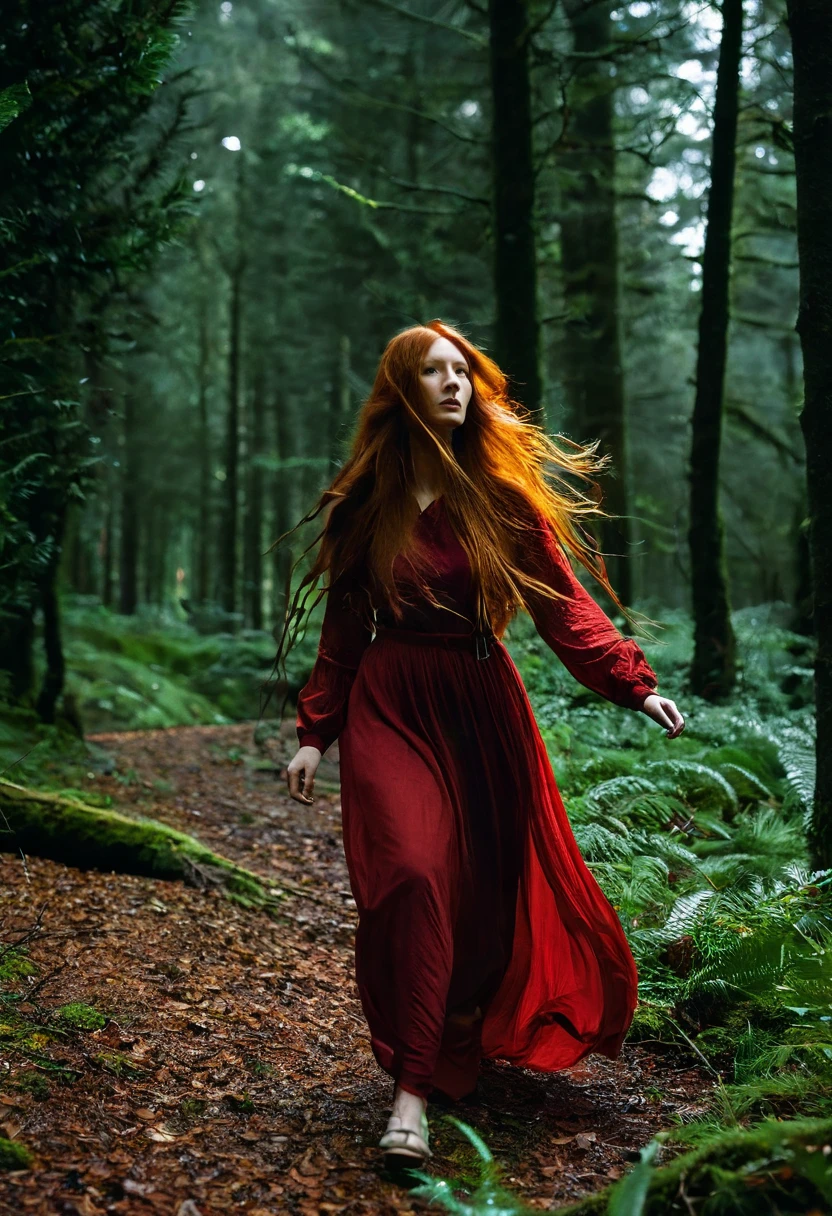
<point x="215" y="216"/>
<point x="308" y="179"/>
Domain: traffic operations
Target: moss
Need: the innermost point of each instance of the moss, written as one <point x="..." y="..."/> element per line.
<point x="88" y="797"/>
<point x="47" y="825"/>
<point x="34" y="1083"/>
<point x="79" y="1016"/>
<point x="647" y="1023"/>
<point x="192" y="1108"/>
<point x="116" y="1063"/>
<point x="14" y="966"/>
<point x="14" y="1155"/>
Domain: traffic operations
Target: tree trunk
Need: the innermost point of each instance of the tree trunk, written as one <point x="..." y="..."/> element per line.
<point x="339" y="411"/>
<point x="713" y="671"/>
<point x="17" y="636"/>
<point x="284" y="501"/>
<point x="204" y="531"/>
<point x="48" y="825"/>
<point x="53" y="680"/>
<point x="129" y="548"/>
<point x="591" y="353"/>
<point x="80" y="564"/>
<point x="810" y="23"/>
<point x="107" y="543"/>
<point x="228" y="543"/>
<point x="517" y="331"/>
<point x="253" y="530"/>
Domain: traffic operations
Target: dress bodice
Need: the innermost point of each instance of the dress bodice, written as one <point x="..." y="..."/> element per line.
<point x="450" y="580"/>
<point x="573" y="625"/>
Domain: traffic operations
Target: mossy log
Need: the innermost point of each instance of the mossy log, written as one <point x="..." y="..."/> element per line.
<point x="787" y="1160"/>
<point x="66" y="830"/>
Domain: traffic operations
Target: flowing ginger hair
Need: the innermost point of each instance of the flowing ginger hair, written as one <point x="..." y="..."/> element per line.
<point x="501" y="476"/>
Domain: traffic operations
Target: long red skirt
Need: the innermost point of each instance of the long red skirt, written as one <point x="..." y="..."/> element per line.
<point x="481" y="931"/>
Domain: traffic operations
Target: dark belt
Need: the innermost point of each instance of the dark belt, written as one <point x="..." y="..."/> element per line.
<point x="476" y="642"/>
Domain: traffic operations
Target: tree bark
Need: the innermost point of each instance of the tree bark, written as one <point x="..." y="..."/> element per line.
<point x="810" y="23"/>
<point x="202" y="575"/>
<point x="17" y="636"/>
<point x="228" y="550"/>
<point x="253" y="530"/>
<point x="591" y="354"/>
<point x="107" y="543"/>
<point x="284" y="500"/>
<point x="129" y="548"/>
<point x="517" y="329"/>
<point x="48" y="825"/>
<point x="713" y="670"/>
<point x="339" y="410"/>
<point x="53" y="679"/>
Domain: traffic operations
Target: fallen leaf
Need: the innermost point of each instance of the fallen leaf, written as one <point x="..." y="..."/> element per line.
<point x="160" y="1134"/>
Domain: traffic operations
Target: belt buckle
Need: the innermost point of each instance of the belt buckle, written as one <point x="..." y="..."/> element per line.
<point x="480" y="637"/>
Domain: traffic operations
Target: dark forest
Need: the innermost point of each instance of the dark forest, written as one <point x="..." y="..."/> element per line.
<point x="214" y="216"/>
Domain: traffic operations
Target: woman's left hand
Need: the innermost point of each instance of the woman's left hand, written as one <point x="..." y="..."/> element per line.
<point x="664" y="711"/>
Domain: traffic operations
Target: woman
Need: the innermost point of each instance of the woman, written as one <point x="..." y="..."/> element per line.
<point x="481" y="931"/>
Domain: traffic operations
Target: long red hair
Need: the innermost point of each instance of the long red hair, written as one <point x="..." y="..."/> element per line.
<point x="501" y="475"/>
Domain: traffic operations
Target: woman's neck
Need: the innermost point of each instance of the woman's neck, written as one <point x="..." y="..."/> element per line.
<point x="427" y="471"/>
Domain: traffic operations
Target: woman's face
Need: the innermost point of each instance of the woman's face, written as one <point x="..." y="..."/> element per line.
<point x="446" y="385"/>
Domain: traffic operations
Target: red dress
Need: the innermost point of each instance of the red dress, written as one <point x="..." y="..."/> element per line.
<point x="481" y="931"/>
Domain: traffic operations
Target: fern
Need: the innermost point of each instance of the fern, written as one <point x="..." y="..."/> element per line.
<point x="696" y="784"/>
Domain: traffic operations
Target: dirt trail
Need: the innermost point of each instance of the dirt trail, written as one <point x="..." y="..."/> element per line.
<point x="235" y="1072"/>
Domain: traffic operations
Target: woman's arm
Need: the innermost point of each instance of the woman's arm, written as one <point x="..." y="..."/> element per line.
<point x="579" y="631"/>
<point x="322" y="702"/>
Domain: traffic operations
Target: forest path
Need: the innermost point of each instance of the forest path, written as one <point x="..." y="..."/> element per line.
<point x="235" y="1071"/>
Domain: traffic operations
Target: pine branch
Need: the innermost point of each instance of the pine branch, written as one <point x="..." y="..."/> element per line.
<point x="477" y="39"/>
<point x="350" y="88"/>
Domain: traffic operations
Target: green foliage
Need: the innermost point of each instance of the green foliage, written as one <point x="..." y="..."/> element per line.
<point x="14" y="1155"/>
<point x="703" y="852"/>
<point x="117" y="1063"/>
<point x="772" y="1169"/>
<point x="78" y="1016"/>
<point x="629" y="1197"/>
<point x="13" y="101"/>
<point x="152" y="670"/>
<point x="13" y="965"/>
<point x="487" y="1195"/>
<point x="81" y="213"/>
<point x="34" y="1083"/>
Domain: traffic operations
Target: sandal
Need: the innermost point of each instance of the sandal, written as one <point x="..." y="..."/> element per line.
<point x="402" y="1144"/>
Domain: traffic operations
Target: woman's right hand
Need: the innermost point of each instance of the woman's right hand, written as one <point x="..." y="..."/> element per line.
<point x="300" y="774"/>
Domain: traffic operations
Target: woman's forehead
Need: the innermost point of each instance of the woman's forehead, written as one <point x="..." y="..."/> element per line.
<point x="443" y="348"/>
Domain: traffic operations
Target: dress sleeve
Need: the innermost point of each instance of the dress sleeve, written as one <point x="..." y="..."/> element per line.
<point x="579" y="631"/>
<point x="322" y="702"/>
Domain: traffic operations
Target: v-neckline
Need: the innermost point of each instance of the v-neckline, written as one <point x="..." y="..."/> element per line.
<point x="432" y="503"/>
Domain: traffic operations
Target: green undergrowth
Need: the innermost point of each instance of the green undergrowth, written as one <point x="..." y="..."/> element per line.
<point x="160" y="669"/>
<point x="773" y="1169"/>
<point x="700" y="845"/>
<point x="44" y="824"/>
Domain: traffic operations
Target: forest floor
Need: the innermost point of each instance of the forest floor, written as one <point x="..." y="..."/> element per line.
<point x="234" y="1072"/>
